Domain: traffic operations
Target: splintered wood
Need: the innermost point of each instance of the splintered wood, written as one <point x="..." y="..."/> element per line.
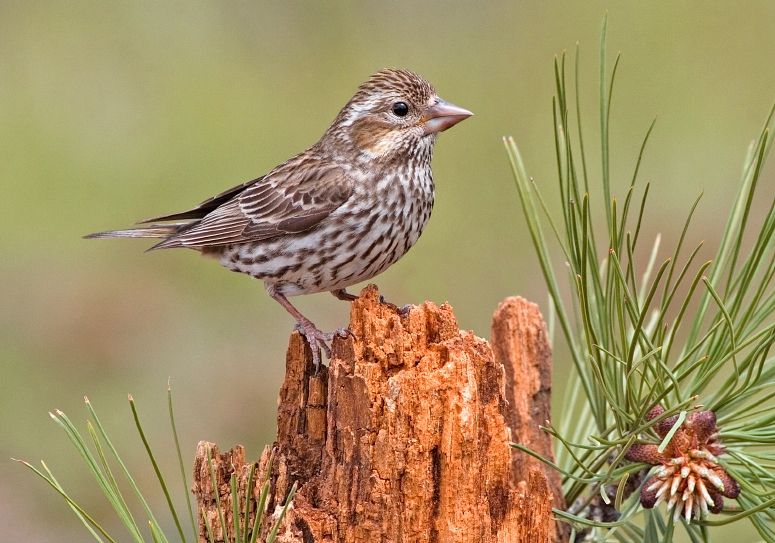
<point x="405" y="436"/>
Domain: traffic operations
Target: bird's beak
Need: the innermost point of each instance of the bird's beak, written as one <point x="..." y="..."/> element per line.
<point x="442" y="115"/>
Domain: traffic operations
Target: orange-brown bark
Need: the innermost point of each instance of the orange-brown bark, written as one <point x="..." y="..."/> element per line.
<point x="520" y="344"/>
<point x="405" y="436"/>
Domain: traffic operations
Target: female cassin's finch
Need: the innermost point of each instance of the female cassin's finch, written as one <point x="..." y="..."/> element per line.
<point x="337" y="214"/>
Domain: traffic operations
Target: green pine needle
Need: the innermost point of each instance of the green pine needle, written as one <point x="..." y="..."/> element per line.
<point x="156" y="469"/>
<point x="92" y="451"/>
<point x="664" y="331"/>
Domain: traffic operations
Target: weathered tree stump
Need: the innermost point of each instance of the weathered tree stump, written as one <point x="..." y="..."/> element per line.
<point x="405" y="436"/>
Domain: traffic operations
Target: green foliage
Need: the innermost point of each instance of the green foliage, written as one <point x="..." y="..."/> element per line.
<point x="671" y="332"/>
<point x="96" y="451"/>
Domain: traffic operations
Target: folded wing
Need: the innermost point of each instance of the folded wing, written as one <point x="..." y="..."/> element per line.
<point x="294" y="197"/>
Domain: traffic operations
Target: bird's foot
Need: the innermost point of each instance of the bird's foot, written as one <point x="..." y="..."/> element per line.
<point x="319" y="340"/>
<point x="341" y="332"/>
<point x="403" y="311"/>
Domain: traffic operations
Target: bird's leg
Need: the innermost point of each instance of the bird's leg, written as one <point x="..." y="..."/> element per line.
<point x="342" y="294"/>
<point x="316" y="338"/>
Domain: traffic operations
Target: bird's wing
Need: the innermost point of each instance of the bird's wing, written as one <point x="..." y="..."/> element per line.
<point x="291" y="199"/>
<point x="206" y="207"/>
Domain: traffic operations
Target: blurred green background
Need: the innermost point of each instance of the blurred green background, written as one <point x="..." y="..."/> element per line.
<point x="115" y="111"/>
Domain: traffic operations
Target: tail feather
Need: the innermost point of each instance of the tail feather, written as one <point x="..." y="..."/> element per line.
<point x="165" y="231"/>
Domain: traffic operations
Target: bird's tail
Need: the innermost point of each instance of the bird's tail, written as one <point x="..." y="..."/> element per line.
<point x="164" y="231"/>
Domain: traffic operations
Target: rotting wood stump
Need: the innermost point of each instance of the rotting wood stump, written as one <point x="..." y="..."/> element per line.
<point x="405" y="436"/>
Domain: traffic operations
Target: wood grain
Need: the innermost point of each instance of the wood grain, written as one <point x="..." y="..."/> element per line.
<point x="405" y="436"/>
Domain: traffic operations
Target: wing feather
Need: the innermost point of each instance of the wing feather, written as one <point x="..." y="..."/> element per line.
<point x="294" y="197"/>
<point x="206" y="206"/>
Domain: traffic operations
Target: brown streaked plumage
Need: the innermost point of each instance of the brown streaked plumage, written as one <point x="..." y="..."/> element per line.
<point x="334" y="215"/>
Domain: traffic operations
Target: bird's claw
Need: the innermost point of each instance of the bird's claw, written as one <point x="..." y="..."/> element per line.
<point x="343" y="333"/>
<point x="403" y="311"/>
<point x="317" y="339"/>
<point x="322" y="345"/>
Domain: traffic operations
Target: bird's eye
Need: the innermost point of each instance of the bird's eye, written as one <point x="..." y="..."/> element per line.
<point x="400" y="109"/>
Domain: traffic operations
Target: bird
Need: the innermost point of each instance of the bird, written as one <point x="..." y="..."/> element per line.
<point x="338" y="213"/>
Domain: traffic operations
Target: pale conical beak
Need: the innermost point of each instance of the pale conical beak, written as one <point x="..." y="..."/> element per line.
<point x="442" y="115"/>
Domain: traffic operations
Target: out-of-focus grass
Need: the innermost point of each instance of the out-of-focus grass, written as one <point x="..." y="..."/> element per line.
<point x="110" y="113"/>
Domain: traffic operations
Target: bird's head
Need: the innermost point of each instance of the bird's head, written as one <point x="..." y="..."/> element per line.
<point x="395" y="114"/>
